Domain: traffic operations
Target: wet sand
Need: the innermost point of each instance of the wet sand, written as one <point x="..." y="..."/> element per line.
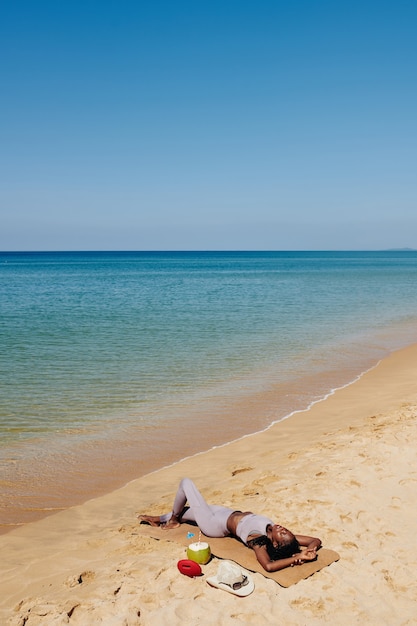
<point x="345" y="470"/>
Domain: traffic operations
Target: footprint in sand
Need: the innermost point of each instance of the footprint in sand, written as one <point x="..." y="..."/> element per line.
<point x="266" y="480"/>
<point x="383" y="536"/>
<point x="404" y="481"/>
<point x="248" y="491"/>
<point x="84" y="577"/>
<point x="393" y="584"/>
<point x="396" y="502"/>
<point x="37" y="611"/>
<point x="317" y="607"/>
<point x="239" y="470"/>
<point x="315" y="502"/>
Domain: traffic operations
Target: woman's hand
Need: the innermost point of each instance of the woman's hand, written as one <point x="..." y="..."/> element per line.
<point x="309" y="554"/>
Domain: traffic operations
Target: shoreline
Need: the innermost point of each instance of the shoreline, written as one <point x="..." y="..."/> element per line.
<point x="343" y="470"/>
<point x="68" y="483"/>
<point x="263" y="430"/>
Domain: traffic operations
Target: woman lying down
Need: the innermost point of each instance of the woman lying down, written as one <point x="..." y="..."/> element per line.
<point x="275" y="546"/>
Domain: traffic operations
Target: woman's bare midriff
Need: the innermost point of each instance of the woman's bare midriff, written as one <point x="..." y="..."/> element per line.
<point x="234" y="520"/>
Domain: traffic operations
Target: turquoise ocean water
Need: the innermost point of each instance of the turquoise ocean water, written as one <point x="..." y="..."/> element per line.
<point x="113" y="364"/>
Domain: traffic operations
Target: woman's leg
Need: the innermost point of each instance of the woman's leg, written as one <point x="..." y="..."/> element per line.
<point x="212" y="520"/>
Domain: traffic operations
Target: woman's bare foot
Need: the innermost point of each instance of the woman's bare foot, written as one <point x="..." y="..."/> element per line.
<point x="150" y="519"/>
<point x="155" y="521"/>
<point x="170" y="524"/>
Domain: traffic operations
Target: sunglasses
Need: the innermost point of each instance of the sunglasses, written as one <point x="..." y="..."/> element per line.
<point x="239" y="584"/>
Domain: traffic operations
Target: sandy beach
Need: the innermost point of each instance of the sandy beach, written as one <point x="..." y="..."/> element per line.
<point x="345" y="471"/>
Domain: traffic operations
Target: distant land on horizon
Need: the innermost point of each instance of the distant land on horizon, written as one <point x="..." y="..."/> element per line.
<point x="405" y="249"/>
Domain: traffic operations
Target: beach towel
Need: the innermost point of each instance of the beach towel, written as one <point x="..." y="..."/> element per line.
<point x="233" y="550"/>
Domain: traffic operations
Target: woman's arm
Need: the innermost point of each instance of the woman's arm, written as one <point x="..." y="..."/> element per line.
<point x="310" y="544"/>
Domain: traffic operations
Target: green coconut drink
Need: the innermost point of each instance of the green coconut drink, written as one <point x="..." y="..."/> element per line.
<point x="199" y="552"/>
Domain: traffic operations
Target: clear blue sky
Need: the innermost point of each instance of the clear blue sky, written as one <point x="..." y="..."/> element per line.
<point x="208" y="125"/>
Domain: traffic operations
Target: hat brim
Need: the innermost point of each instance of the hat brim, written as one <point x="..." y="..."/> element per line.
<point x="242" y="591"/>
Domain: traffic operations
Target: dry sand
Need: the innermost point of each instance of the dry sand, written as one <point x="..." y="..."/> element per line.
<point x="345" y="471"/>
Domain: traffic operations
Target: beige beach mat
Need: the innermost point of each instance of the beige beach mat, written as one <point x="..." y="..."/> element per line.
<point x="234" y="550"/>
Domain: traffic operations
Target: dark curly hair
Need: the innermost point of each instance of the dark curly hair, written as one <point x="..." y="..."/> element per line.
<point x="282" y="551"/>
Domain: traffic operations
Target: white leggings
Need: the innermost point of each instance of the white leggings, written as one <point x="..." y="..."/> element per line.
<point x="211" y="519"/>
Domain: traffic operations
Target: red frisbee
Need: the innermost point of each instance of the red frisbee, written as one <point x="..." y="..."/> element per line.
<point x="189" y="568"/>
